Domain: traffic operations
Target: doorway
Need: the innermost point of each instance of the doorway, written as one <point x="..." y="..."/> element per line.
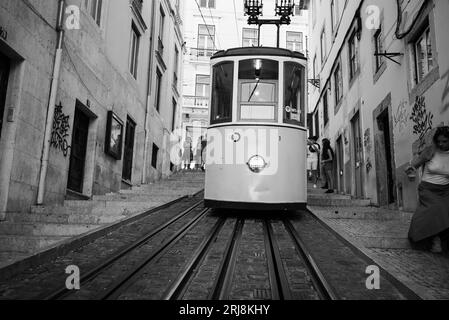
<point x="78" y="152"/>
<point x="129" y="150"/>
<point x="340" y="165"/>
<point x="384" y="159"/>
<point x="358" y="156"/>
<point x="4" y="75"/>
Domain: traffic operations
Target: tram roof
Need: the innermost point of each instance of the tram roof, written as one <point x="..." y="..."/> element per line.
<point x="258" y="51"/>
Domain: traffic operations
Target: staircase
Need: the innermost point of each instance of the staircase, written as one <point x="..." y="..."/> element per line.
<point x="26" y="234"/>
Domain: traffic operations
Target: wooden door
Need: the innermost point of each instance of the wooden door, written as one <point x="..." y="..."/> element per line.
<point x="358" y="156"/>
<point x="4" y="75"/>
<point x="78" y="153"/>
<point x="129" y="150"/>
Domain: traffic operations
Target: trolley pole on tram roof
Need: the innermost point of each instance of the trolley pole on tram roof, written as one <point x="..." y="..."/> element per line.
<point x="284" y="9"/>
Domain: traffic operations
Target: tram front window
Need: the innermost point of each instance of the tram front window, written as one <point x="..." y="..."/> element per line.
<point x="222" y="86"/>
<point x="258" y="83"/>
<point x="294" y="99"/>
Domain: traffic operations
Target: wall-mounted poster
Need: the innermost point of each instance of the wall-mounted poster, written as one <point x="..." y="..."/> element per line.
<point x="114" y="134"/>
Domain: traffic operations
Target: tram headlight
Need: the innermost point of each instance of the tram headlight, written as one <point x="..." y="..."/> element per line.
<point x="256" y="164"/>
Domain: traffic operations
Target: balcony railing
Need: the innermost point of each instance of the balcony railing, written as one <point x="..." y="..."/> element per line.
<point x="202" y="52"/>
<point x="196" y="102"/>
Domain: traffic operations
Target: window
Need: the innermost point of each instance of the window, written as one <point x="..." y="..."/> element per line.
<point x="222" y="86"/>
<point x="423" y="54"/>
<point x="294" y="100"/>
<point x="206" y="40"/>
<point x="323" y="45"/>
<point x="317" y="124"/>
<point x="325" y="108"/>
<point x="353" y="45"/>
<point x="176" y="67"/>
<point x="161" y="32"/>
<point x="338" y="84"/>
<point x="378" y="46"/>
<point x="258" y="83"/>
<point x="294" y="41"/>
<point x="298" y="11"/>
<point x="334" y="18"/>
<point x="250" y="37"/>
<point x="173" y="122"/>
<point x="94" y="8"/>
<point x="314" y="68"/>
<point x="207" y="4"/>
<point x="155" y="156"/>
<point x="134" y="56"/>
<point x="158" y="89"/>
<point x="202" y="90"/>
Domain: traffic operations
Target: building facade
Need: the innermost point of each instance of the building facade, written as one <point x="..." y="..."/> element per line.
<point x="87" y="97"/>
<point x="380" y="74"/>
<point x="215" y="25"/>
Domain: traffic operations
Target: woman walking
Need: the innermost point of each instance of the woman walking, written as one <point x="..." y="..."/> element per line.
<point x="431" y="219"/>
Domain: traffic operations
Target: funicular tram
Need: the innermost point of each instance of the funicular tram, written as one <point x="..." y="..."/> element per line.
<point x="257" y="138"/>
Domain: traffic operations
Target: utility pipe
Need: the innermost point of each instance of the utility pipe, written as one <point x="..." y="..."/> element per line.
<point x="148" y="105"/>
<point x="51" y="103"/>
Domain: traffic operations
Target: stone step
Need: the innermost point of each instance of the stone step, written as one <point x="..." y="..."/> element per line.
<point x="382" y="242"/>
<point x="371" y="213"/>
<point x="28" y="244"/>
<point x="9" y="257"/>
<point x="87" y="219"/>
<point x="45" y="229"/>
<point x="326" y="196"/>
<point x="153" y="198"/>
<point x="116" y="202"/>
<point x="330" y="202"/>
<point x="96" y="209"/>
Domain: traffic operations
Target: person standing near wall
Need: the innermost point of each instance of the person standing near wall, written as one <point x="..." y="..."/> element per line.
<point x="327" y="162"/>
<point x="431" y="219"/>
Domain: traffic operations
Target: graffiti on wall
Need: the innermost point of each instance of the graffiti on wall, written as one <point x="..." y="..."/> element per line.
<point x="401" y="117"/>
<point x="368" y="148"/>
<point x="422" y="119"/>
<point x="60" y="131"/>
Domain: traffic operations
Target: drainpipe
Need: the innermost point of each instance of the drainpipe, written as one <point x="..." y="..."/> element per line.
<point x="148" y="106"/>
<point x="51" y="103"/>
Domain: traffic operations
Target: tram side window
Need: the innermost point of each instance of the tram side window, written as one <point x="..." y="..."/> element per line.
<point x="294" y="99"/>
<point x="222" y="86"/>
<point x="258" y="90"/>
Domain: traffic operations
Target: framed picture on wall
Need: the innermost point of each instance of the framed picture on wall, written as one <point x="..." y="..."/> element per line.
<point x="114" y="136"/>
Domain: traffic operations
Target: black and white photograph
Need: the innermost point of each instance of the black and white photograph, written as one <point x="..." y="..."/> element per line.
<point x="235" y="157"/>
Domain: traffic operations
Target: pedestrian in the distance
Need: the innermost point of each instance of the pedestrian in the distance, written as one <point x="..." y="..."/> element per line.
<point x="186" y="156"/>
<point x="431" y="219"/>
<point x="327" y="161"/>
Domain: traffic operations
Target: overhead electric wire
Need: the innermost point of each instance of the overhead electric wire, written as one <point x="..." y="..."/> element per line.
<point x="236" y="23"/>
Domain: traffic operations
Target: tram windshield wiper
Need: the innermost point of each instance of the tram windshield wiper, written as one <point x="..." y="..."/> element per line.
<point x="254" y="91"/>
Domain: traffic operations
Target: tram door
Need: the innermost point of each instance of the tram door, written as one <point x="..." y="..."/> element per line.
<point x="4" y="74"/>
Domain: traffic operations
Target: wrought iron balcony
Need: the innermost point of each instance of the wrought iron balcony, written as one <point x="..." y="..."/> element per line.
<point x="137" y="4"/>
<point x="160" y="46"/>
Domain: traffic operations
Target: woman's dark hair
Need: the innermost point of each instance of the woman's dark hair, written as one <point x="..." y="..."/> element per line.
<point x="326" y="147"/>
<point x="441" y="131"/>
